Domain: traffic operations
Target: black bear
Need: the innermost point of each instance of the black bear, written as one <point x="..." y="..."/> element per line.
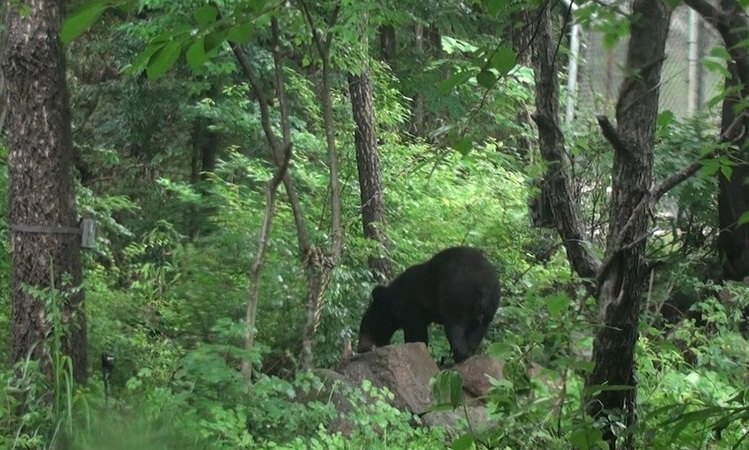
<point x="458" y="288"/>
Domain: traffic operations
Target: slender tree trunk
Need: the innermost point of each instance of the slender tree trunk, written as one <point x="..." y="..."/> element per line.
<point x="388" y="45"/>
<point x="43" y="218"/>
<point x="624" y="275"/>
<point x="257" y="265"/>
<point x="368" y="166"/>
<point x="319" y="266"/>
<point x="277" y="153"/>
<point x="556" y="193"/>
<point x="417" y="116"/>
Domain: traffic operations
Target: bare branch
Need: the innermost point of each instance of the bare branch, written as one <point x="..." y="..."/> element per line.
<point x="611" y="135"/>
<point x="257" y="265"/>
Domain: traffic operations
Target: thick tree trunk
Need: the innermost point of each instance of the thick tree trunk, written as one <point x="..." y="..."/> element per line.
<point x="624" y="274"/>
<point x="368" y="166"/>
<point x="43" y="219"/>
<point x="733" y="195"/>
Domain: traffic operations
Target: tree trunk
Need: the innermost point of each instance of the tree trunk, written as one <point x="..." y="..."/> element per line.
<point x="733" y="195"/>
<point x="623" y="276"/>
<point x="556" y="196"/>
<point x="417" y="116"/>
<point x="43" y="218"/>
<point x="317" y="265"/>
<point x="203" y="161"/>
<point x="388" y="45"/>
<point x="368" y="166"/>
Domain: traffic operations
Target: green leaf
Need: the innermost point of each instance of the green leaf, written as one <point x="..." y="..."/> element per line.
<point x="743" y="219"/>
<point x="586" y="438"/>
<point x="448" y="388"/>
<point x="213" y="40"/>
<point x="486" y="79"/>
<point x="557" y="304"/>
<point x="449" y="84"/>
<point x="504" y="60"/>
<point x="501" y="350"/>
<point x="716" y="66"/>
<point x="720" y="52"/>
<point x="240" y="33"/>
<point x="726" y="170"/>
<point x="163" y="60"/>
<point x="206" y="15"/>
<point x="78" y="22"/>
<point x="464" y="145"/>
<point x="495" y="6"/>
<point x="141" y="61"/>
<point x="463" y="442"/>
<point x="665" y="118"/>
<point x="709" y="168"/>
<point x="196" y="54"/>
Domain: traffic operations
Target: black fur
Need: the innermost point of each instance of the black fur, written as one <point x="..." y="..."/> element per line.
<point x="458" y="288"/>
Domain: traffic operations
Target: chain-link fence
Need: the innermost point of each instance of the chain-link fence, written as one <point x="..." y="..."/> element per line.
<point x="687" y="83"/>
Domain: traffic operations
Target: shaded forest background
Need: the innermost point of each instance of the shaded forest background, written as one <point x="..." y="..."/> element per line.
<point x="267" y="163"/>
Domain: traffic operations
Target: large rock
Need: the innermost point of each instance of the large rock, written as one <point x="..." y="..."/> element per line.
<point x="454" y="422"/>
<point x="405" y="369"/>
<point x="476" y="372"/>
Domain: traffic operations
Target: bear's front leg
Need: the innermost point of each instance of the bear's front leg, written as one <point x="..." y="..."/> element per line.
<point x="456" y="335"/>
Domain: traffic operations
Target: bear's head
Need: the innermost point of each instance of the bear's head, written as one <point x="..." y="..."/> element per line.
<point x="379" y="322"/>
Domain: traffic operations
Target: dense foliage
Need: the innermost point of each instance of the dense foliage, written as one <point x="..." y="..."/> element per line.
<point x="172" y="163"/>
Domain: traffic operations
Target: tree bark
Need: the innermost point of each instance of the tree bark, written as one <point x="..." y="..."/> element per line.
<point x="556" y="193"/>
<point x="319" y="266"/>
<point x="733" y="196"/>
<point x="624" y="275"/>
<point x="43" y="218"/>
<point x="368" y="166"/>
<point x="388" y="45"/>
<point x="417" y="115"/>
